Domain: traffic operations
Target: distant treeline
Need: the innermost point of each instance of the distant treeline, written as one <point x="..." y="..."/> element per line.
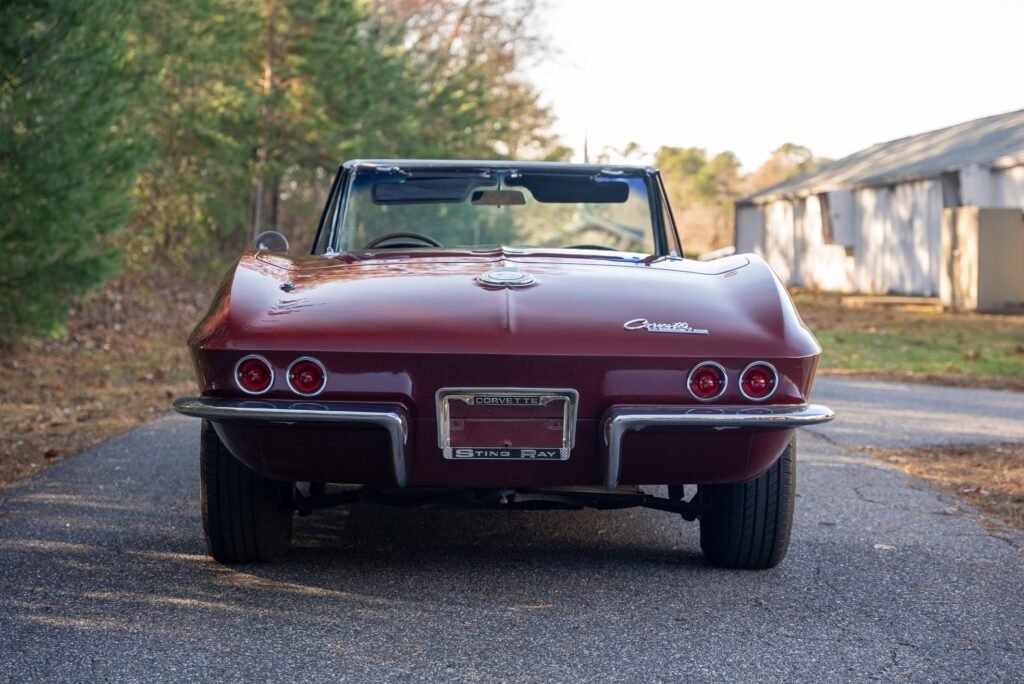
<point x="170" y="131"/>
<point x="703" y="189"/>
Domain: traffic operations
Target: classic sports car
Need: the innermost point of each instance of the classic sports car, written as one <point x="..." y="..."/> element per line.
<point x="505" y="335"/>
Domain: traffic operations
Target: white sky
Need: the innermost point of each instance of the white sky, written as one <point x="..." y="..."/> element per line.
<point x="748" y="76"/>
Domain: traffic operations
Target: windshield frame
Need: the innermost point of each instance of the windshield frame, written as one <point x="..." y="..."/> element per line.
<point x="328" y="231"/>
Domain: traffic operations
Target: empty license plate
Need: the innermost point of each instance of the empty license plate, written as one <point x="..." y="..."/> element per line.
<point x="506" y="423"/>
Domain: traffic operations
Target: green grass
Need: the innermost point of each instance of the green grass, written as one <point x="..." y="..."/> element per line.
<point x="950" y="348"/>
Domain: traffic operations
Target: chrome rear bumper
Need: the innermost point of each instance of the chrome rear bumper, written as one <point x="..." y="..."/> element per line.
<point x="394" y="419"/>
<point x="391" y="417"/>
<point x="622" y="419"/>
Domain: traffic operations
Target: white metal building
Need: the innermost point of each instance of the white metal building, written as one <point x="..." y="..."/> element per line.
<point x="872" y="222"/>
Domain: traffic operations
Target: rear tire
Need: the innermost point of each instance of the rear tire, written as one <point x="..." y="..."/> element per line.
<point x="747" y="525"/>
<point x="246" y="518"/>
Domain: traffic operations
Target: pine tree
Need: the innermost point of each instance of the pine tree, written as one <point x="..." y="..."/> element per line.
<point x="197" y="63"/>
<point x="69" y="151"/>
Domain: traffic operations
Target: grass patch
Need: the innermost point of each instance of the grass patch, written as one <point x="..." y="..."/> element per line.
<point x="988" y="476"/>
<point x="963" y="349"/>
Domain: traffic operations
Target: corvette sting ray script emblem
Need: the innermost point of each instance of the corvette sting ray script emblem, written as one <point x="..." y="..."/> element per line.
<point x="681" y="328"/>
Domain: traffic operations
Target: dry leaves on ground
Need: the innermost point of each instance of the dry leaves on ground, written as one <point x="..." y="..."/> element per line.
<point x="120" y="364"/>
<point x="988" y="476"/>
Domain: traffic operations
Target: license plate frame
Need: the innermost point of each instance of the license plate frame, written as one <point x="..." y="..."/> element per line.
<point x="512" y="397"/>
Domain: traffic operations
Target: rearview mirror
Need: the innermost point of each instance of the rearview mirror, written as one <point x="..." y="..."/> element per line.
<point x="271" y="241"/>
<point x="499" y="198"/>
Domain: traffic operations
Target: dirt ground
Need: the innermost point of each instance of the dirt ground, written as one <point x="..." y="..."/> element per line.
<point x="988" y="476"/>
<point x="121" y="363"/>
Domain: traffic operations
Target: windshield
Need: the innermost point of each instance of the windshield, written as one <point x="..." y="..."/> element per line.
<point x="486" y="208"/>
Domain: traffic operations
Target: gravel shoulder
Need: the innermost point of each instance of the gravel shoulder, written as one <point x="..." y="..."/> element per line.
<point x="105" y="577"/>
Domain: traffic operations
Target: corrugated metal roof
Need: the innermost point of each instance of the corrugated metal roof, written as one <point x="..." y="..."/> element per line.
<point x="994" y="141"/>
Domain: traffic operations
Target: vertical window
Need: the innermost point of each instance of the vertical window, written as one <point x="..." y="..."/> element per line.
<point x="325" y="231"/>
<point x="951" y="189"/>
<point x="827" y="231"/>
<point x="669" y="222"/>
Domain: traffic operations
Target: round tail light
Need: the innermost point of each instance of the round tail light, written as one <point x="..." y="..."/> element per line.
<point x="758" y="381"/>
<point x="253" y="375"/>
<point x="306" y="376"/>
<point x="707" y="381"/>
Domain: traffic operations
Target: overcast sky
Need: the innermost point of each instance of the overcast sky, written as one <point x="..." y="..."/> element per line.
<point x="748" y="76"/>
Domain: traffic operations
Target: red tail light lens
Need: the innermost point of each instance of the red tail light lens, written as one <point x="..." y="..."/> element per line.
<point x="253" y="375"/>
<point x="707" y="381"/>
<point x="758" y="381"/>
<point x="306" y="376"/>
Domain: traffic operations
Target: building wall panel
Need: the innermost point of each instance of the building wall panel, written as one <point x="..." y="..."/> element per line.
<point x="899" y="241"/>
<point x="750" y="229"/>
<point x="1008" y="187"/>
<point x="778" y="238"/>
<point x="825" y="264"/>
<point x="975" y="186"/>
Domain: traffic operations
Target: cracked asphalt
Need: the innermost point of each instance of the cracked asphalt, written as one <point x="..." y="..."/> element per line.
<point x="104" y="576"/>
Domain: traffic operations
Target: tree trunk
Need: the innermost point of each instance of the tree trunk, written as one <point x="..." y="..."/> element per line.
<point x="257" y="202"/>
<point x="275" y="203"/>
<point x="262" y="153"/>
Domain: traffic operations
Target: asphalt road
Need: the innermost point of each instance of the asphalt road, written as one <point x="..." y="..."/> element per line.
<point x="103" y="576"/>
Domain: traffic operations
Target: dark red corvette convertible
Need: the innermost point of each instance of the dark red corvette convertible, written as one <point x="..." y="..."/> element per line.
<point x="507" y="335"/>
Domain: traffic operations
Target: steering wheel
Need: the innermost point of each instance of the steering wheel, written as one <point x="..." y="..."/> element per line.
<point x="402" y="234"/>
<point x="602" y="247"/>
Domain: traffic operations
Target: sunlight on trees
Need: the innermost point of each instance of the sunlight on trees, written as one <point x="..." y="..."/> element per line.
<point x="196" y="123"/>
<point x="703" y="191"/>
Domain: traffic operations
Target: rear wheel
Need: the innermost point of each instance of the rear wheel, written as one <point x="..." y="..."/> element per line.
<point x="747" y="525"/>
<point x="246" y="518"/>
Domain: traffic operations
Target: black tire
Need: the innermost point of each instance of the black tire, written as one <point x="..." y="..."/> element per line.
<point x="246" y="518"/>
<point x="747" y="525"/>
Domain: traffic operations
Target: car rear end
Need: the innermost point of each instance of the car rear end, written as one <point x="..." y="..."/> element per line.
<point x="442" y="420"/>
